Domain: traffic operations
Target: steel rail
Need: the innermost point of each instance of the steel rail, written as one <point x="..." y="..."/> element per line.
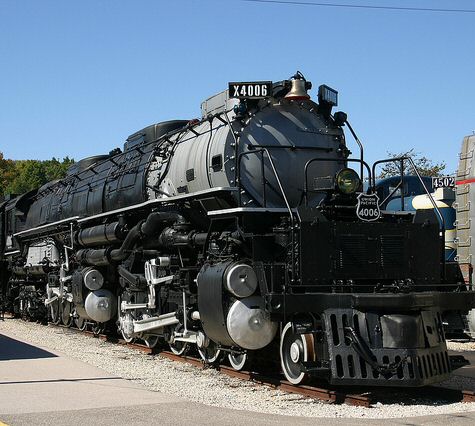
<point x="367" y="398"/>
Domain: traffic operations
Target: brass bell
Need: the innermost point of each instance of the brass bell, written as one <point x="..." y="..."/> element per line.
<point x="298" y="90"/>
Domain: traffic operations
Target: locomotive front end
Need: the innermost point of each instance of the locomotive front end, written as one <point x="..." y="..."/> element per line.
<point x="371" y="298"/>
<point x="360" y="294"/>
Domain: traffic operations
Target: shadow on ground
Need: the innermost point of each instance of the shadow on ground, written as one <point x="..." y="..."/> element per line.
<point x="11" y="349"/>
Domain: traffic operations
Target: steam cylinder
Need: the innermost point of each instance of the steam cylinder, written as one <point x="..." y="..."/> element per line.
<point x="249" y="325"/>
<point x="100" y="305"/>
<point x="245" y="323"/>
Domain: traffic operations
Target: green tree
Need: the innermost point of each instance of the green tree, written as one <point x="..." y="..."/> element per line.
<point x="7" y="173"/>
<point x="29" y="174"/>
<point x="424" y="165"/>
<point x="20" y="176"/>
<point x="56" y="169"/>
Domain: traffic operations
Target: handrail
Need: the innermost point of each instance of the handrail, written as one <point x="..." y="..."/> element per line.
<point x="400" y="183"/>
<point x="398" y="186"/>
<point x="307" y="164"/>
<point x="434" y="204"/>
<point x="284" y="196"/>
<point x="436" y="207"/>
<point x="236" y="141"/>
<point x="401" y="160"/>
<point x="355" y="136"/>
<point x="274" y="170"/>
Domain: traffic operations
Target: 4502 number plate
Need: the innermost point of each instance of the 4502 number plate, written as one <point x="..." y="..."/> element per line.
<point x="443" y="182"/>
<point x="250" y="90"/>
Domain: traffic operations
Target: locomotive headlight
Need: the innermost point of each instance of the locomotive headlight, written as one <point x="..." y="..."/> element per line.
<point x="347" y="181"/>
<point x="327" y="95"/>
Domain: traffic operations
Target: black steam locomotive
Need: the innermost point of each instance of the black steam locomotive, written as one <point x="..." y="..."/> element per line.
<point x="239" y="233"/>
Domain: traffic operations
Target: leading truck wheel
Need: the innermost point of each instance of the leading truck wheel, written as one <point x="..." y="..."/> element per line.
<point x="210" y="354"/>
<point x="238" y="360"/>
<point x="295" y="349"/>
<point x="80" y="323"/>
<point x="179" y="348"/>
<point x="151" y="340"/>
<point x="126" y="326"/>
<point x="98" y="328"/>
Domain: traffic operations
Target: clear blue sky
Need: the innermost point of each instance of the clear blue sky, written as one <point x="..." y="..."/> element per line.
<point x="77" y="77"/>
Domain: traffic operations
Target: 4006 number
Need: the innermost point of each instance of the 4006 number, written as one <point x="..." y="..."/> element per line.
<point x="250" y="90"/>
<point x="369" y="213"/>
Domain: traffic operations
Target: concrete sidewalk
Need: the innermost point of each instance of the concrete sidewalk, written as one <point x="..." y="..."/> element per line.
<point x="36" y="380"/>
<point x="40" y="387"/>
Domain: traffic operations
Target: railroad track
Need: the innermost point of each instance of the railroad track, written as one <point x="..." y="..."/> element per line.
<point x="362" y="397"/>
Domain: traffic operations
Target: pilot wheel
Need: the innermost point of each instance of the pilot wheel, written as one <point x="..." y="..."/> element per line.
<point x="295" y="349"/>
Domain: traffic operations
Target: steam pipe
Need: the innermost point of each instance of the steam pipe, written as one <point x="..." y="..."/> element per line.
<point x="133" y="279"/>
<point x="152" y="225"/>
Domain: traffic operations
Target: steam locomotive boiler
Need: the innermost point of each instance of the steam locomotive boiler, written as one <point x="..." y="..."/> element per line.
<point x="244" y="234"/>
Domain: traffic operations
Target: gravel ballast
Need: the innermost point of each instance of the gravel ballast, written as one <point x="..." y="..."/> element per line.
<point x="208" y="386"/>
<point x="461" y="345"/>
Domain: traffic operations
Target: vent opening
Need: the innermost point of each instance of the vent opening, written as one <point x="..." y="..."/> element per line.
<point x="217" y="163"/>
